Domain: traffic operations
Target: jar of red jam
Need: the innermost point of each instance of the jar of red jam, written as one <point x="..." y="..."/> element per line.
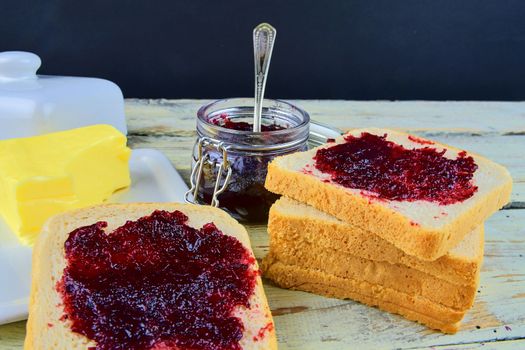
<point x="230" y="160"/>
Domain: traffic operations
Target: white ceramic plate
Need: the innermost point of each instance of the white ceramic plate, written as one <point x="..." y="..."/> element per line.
<point x="153" y="179"/>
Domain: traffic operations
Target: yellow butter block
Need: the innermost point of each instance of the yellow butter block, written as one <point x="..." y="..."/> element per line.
<point x="45" y="175"/>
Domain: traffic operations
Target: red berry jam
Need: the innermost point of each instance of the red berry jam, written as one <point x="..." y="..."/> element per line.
<point x="245" y="197"/>
<point x="224" y="121"/>
<point x="156" y="283"/>
<point x="390" y="171"/>
<point x="419" y="140"/>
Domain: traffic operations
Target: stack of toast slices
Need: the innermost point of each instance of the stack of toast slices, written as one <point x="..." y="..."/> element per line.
<point x="417" y="258"/>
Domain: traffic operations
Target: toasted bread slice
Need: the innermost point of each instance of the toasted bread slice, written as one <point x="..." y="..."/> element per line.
<point x="397" y="277"/>
<point x="46" y="330"/>
<point x="294" y="222"/>
<point x="415" y="308"/>
<point x="424" y="229"/>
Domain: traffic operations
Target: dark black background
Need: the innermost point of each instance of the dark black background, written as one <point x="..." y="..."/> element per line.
<point x="377" y="49"/>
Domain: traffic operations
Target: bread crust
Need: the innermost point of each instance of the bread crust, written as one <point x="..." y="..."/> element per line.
<point x="45" y="330"/>
<point x="397" y="277"/>
<point x="424" y="242"/>
<point x="415" y="308"/>
<point x="293" y="221"/>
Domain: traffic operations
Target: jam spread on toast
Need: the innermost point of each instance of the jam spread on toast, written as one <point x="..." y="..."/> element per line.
<point x="392" y="172"/>
<point x="156" y="282"/>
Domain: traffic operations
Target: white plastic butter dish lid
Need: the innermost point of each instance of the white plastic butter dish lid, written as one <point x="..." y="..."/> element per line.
<point x="32" y="104"/>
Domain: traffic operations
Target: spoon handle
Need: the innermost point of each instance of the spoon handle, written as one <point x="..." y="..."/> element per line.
<point x="263" y="40"/>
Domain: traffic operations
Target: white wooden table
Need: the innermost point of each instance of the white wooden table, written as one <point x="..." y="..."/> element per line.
<point x="306" y="321"/>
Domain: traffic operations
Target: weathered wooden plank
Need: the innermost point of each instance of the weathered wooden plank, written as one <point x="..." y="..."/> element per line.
<point x="496" y="345"/>
<point x="12" y="335"/>
<point x="307" y="321"/>
<point x="493" y="129"/>
<point x="462" y="117"/>
<point x="299" y="314"/>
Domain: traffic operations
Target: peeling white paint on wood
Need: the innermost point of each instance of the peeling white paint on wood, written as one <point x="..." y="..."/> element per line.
<point x="308" y="321"/>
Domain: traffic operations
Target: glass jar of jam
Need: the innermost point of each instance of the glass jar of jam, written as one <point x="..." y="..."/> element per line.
<point x="230" y="160"/>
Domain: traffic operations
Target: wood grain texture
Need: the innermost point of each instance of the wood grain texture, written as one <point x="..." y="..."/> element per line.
<point x="493" y="129"/>
<point x="306" y="321"/>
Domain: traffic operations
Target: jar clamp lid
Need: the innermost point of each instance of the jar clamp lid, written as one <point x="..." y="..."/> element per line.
<point x="196" y="172"/>
<point x="225" y="135"/>
<point x="319" y="134"/>
<point x="230" y="159"/>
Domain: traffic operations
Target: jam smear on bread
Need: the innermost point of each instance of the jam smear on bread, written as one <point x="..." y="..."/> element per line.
<point x="156" y="282"/>
<point x="392" y="172"/>
<point x="420" y="140"/>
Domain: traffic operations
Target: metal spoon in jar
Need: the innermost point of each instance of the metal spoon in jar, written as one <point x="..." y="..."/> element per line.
<point x="263" y="40"/>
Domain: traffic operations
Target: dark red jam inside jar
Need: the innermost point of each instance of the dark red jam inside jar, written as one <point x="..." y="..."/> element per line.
<point x="390" y="171"/>
<point x="156" y="283"/>
<point x="225" y="121"/>
<point x="284" y="130"/>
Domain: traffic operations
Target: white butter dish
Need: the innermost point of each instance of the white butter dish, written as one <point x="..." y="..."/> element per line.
<point x="32" y="104"/>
